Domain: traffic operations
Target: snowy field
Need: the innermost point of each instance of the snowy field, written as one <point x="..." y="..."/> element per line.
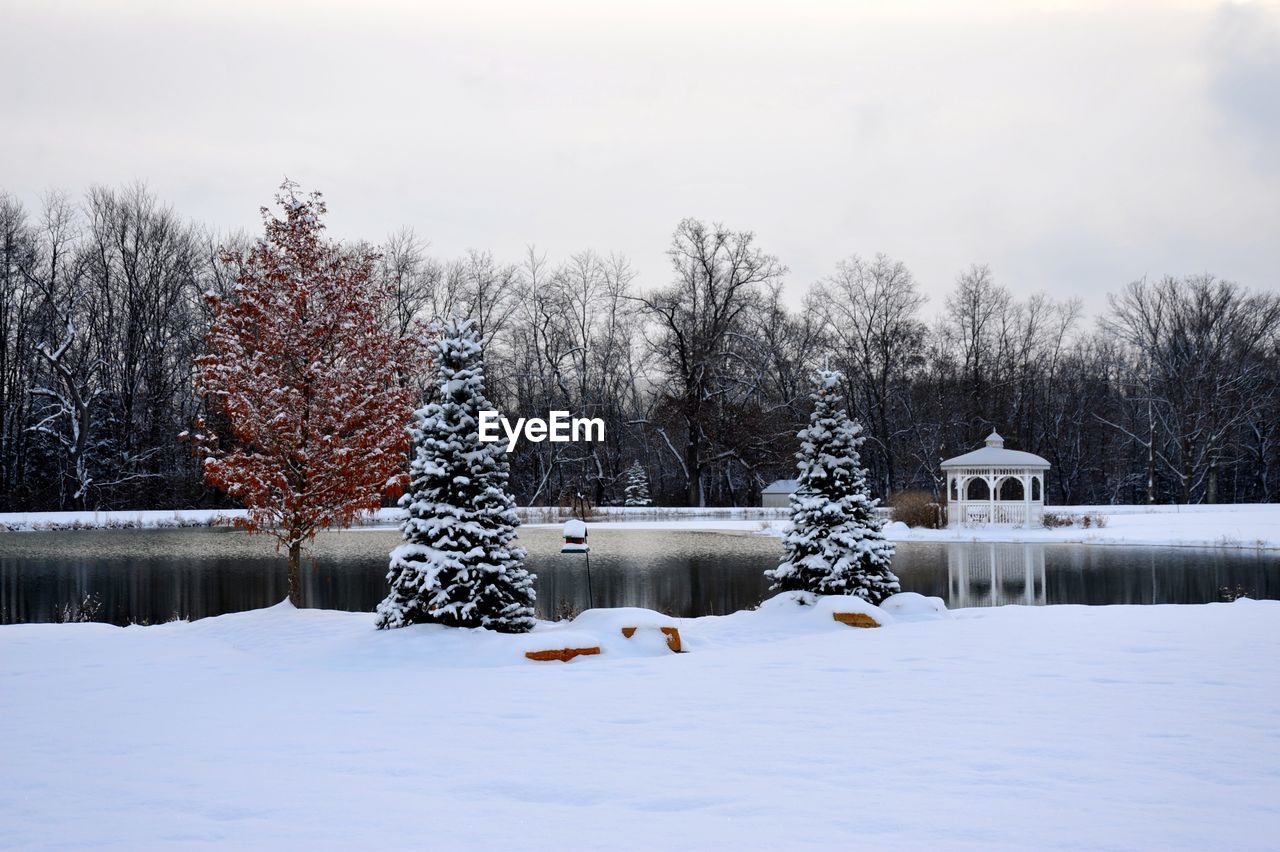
<point x="1246" y="525"/>
<point x="1134" y="727"/>
<point x="669" y="517"/>
<point x="1249" y="525"/>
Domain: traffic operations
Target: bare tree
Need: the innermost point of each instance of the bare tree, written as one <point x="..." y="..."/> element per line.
<point x="18" y="305"/>
<point x="70" y="388"/>
<point x="719" y="274"/>
<point x="413" y="280"/>
<point x="870" y="312"/>
<point x="1201" y="347"/>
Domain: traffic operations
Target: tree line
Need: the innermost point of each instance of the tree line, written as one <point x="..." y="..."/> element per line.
<point x="702" y="376"/>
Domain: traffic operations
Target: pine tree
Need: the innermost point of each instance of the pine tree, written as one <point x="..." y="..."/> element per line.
<point x="457" y="565"/>
<point x="835" y="545"/>
<point x="637" y="490"/>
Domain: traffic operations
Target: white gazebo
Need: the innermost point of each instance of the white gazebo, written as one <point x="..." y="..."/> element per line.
<point x="993" y="485"/>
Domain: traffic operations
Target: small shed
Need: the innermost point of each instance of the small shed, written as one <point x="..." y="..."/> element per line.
<point x="993" y="485"/>
<point x="777" y="494"/>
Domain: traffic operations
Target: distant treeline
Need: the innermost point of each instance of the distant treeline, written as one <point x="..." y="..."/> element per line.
<point x="703" y="376"/>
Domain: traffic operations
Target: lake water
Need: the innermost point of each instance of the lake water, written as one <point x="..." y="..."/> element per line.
<point x="151" y="576"/>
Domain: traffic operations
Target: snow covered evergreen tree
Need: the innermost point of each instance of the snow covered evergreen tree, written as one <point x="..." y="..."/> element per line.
<point x="457" y="565"/>
<point x="637" y="491"/>
<point x="835" y="546"/>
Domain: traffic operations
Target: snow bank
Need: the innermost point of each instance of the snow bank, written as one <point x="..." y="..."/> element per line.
<point x="913" y="606"/>
<point x="1245" y="525"/>
<point x="1014" y="727"/>
<point x="633" y="517"/>
<point x="125" y="519"/>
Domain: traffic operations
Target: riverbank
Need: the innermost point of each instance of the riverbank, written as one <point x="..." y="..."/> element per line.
<point x="1245" y="525"/>
<point x="1250" y="526"/>
<point x="672" y="517"/>
<point x="1016" y="727"/>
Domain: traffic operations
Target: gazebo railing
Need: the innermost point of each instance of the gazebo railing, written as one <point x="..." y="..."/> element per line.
<point x="994" y="513"/>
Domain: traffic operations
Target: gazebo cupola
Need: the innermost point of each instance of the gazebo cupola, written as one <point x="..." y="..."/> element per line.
<point x="993" y="485"/>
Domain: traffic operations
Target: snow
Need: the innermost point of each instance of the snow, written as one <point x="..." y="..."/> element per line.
<point x="130" y="518"/>
<point x="1064" y="727"/>
<point x="1246" y="525"/>
<point x="914" y="606"/>
<point x="1242" y="525"/>
<point x="637" y="517"/>
<point x="996" y="457"/>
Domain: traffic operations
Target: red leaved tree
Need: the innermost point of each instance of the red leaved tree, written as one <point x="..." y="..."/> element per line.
<point x="304" y="384"/>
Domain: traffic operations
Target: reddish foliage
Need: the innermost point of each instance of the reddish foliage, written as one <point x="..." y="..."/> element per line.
<point x="306" y="382"/>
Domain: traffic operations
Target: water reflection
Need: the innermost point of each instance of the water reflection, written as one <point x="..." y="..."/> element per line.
<point x="995" y="574"/>
<point x="151" y="576"/>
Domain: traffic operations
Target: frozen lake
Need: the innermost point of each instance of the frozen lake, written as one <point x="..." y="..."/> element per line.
<point x="151" y="576"/>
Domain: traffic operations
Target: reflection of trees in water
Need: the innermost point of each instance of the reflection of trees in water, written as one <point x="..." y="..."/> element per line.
<point x="682" y="574"/>
<point x="153" y="577"/>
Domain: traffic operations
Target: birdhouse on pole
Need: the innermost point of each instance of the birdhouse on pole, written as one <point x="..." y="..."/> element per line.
<point x="575" y="537"/>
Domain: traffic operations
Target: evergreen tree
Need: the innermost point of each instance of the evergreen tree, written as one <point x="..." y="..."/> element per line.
<point x="457" y="565"/>
<point x="637" y="491"/>
<point x="835" y="545"/>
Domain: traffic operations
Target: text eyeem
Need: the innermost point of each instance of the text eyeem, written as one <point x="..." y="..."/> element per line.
<point x="558" y="428"/>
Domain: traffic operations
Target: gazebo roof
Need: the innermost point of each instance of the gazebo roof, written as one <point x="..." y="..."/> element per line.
<point x="995" y="455"/>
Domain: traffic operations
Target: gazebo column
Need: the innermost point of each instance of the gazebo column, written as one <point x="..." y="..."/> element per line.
<point x="951" y="498"/>
<point x="1026" y="500"/>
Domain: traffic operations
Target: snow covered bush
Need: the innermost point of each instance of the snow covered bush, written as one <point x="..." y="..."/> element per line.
<point x="457" y="565"/>
<point x="835" y="545"/>
<point x="637" y="491"/>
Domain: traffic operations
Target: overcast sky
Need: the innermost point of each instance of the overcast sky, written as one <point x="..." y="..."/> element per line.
<point x="1071" y="146"/>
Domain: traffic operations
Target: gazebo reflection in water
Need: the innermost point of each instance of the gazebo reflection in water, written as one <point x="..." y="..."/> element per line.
<point x="994" y="574"/>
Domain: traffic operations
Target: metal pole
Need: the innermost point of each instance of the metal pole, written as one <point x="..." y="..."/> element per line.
<point x="582" y="514"/>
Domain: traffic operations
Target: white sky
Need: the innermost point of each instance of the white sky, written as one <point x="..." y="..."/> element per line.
<point x="1071" y="146"/>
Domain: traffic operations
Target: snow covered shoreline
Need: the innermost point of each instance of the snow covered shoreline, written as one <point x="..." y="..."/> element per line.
<point x="1012" y="727"/>
<point x="675" y="517"/>
<point x="1248" y="526"/>
<point x="1244" y="525"/>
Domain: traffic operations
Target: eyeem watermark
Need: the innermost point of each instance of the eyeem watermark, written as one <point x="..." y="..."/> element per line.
<point x="559" y="428"/>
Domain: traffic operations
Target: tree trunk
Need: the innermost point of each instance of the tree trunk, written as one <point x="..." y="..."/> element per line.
<point x="295" y="573"/>
<point x="693" y="460"/>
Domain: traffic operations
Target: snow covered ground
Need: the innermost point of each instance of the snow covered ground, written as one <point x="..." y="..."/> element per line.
<point x="1133" y="727"/>
<point x="670" y="517"/>
<point x="1248" y="525"/>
